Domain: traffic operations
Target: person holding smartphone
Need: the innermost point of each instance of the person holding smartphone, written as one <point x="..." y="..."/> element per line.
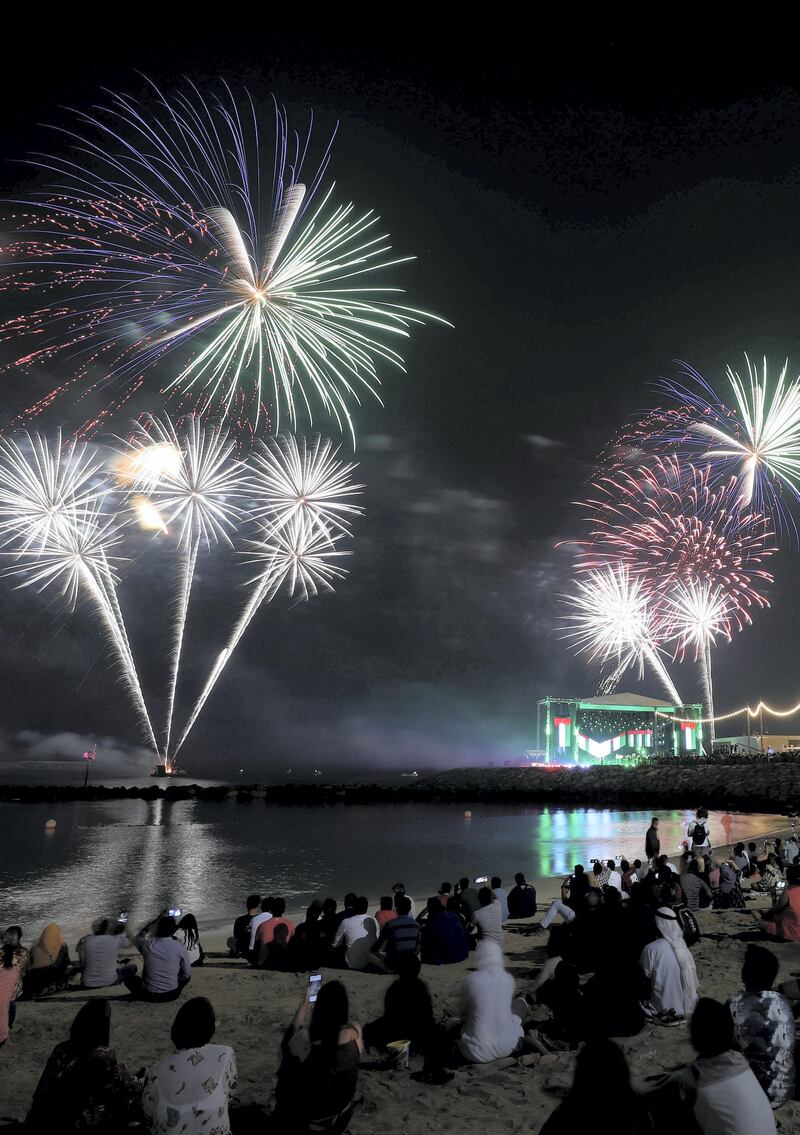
<point x="97" y="953"/>
<point x="167" y="967"/>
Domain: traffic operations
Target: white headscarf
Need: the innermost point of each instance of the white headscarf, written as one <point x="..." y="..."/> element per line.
<point x="489" y="957"/>
<point x="670" y="930"/>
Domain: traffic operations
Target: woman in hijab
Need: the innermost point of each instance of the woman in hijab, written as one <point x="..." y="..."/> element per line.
<point x="669" y="965"/>
<point x="83" y="1088"/>
<point x="49" y="963"/>
<point x="729" y="896"/>
<point x="491" y="1018"/>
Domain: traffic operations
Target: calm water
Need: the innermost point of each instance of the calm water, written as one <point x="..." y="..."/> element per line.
<point x="142" y="856"/>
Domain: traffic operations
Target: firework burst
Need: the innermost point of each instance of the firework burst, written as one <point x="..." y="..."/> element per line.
<point x="170" y="235"/>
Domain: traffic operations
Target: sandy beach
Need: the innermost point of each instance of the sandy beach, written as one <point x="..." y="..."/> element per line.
<point x="254" y="1008"/>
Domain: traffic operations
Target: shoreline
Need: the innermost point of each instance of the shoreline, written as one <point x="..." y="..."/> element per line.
<point x="769" y="787"/>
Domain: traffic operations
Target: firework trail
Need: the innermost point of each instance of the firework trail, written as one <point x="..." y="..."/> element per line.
<point x="170" y="233"/>
<point x="696" y="615"/>
<point x="193" y="482"/>
<point x="612" y="619"/>
<point x="669" y="525"/>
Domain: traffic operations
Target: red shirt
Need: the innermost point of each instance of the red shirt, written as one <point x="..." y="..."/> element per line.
<point x="382" y="916"/>
<point x="266" y="931"/>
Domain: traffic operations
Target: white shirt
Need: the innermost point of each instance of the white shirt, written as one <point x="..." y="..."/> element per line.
<point x="729" y="1099"/>
<point x="502" y="897"/>
<point x="255" y="923"/>
<point x="490" y="1030"/>
<point x="188" y="1091"/>
<point x="359" y="933"/>
<point x="490" y="922"/>
<point x="660" y="964"/>
<point x="98" y="953"/>
<point x="615" y="881"/>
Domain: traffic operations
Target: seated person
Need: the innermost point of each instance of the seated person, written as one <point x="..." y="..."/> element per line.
<point x="21" y="957"/>
<point x="468" y="896"/>
<point x="720" y="1085"/>
<point x="276" y="953"/>
<point x="771" y="875"/>
<point x="696" y="891"/>
<point x="400" y="937"/>
<point x="266" y="929"/>
<point x="49" y="964"/>
<point x="490" y="1022"/>
<point x="318" y="1076"/>
<point x="189" y="1090"/>
<point x="668" y="964"/>
<point x="239" y="941"/>
<point x="387" y="911"/>
<point x="8" y="991"/>
<point x="444" y="940"/>
<point x="407" y="1011"/>
<point x="601" y="1072"/>
<point x="521" y="898"/>
<point x="98" y="955"/>
<point x="309" y="943"/>
<point x="188" y="934"/>
<point x="501" y="895"/>
<point x="83" y="1087"/>
<point x="445" y="893"/>
<point x="563" y="996"/>
<point x="255" y="922"/>
<point x="783" y="920"/>
<point x="489" y="919"/>
<point x="764" y="1027"/>
<point x="358" y="933"/>
<point x="728" y="895"/>
<point x="166" y="965"/>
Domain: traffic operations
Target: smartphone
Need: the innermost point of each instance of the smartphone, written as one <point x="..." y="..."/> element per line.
<point x="314" y="982"/>
<point x="176" y="913"/>
<point x="123" y="917"/>
<point x="482" y="879"/>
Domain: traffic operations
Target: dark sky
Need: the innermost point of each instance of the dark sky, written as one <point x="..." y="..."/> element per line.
<point x="585" y="211"/>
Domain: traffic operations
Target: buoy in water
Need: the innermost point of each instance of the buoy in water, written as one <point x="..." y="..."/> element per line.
<point x="468" y="815"/>
<point x="50" y="825"/>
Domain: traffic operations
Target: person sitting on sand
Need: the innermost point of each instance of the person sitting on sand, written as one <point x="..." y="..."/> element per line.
<point x="358" y="933"/>
<point x="83" y="1087"/>
<point x="740" y="859"/>
<point x="239" y="941"/>
<point x="329" y="920"/>
<point x="399" y="938"/>
<point x="407" y="1013"/>
<point x="445" y="893"/>
<point x="276" y="954"/>
<point x="50" y="963"/>
<point x="771" y="875"/>
<point x="489" y="919"/>
<point x="696" y="891"/>
<point x="309" y="943"/>
<point x="500" y="893"/>
<point x="188" y="934"/>
<point x="189" y="1091"/>
<point x="444" y="940"/>
<point x="263" y="916"/>
<point x="399" y="889"/>
<point x="98" y="955"/>
<point x="720" y="1085"/>
<point x="8" y="991"/>
<point x="21" y="958"/>
<point x="166" y="964"/>
<point x="630" y="879"/>
<point x="601" y="1073"/>
<point x="783" y="920"/>
<point x="563" y="996"/>
<point x="764" y="1027"/>
<point x="490" y="1025"/>
<point x="386" y="912"/>
<point x="468" y="896"/>
<point x="266" y="930"/>
<point x="521" y="898"/>
<point x="614" y="876"/>
<point x="669" y="965"/>
<point x="318" y="1076"/>
<point x="729" y="892"/>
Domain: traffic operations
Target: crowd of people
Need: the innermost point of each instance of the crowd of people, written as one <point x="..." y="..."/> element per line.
<point x="618" y="957"/>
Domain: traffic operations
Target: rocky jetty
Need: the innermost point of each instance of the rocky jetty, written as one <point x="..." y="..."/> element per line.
<point x="762" y="787"/>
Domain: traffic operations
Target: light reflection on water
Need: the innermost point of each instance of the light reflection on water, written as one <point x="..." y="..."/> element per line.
<point x="143" y="856"/>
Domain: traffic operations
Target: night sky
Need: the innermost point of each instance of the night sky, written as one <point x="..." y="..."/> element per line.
<point x="585" y="213"/>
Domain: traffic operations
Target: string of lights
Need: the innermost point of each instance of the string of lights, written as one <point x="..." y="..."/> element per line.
<point x="762" y="707"/>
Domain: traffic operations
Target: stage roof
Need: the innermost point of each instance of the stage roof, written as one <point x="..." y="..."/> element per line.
<point x="628" y="699"/>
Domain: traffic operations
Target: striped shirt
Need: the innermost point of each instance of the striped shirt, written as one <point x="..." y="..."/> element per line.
<point x="400" y="936"/>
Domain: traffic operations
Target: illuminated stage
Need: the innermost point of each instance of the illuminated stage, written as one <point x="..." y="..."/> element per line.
<point x="615" y="729"/>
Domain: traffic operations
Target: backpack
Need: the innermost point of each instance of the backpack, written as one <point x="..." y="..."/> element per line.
<point x="699" y="833"/>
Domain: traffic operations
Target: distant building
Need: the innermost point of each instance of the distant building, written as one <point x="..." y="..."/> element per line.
<point x="775" y="742"/>
<point x="614" y="729"/>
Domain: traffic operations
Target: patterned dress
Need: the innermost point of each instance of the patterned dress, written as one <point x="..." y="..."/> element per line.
<point x="187" y="1093"/>
<point x="765" y="1031"/>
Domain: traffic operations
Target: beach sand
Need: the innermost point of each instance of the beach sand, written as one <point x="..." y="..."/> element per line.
<point x="254" y="1008"/>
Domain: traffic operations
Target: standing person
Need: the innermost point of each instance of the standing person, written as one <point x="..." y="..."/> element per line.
<point x="166" y="965"/>
<point x="83" y="1087"/>
<point x="763" y="1024"/>
<point x="318" y="1076"/>
<point x="490" y="1026"/>
<point x="698" y="832"/>
<point x="652" y="844"/>
<point x="501" y="895"/>
<point x="521" y="898"/>
<point x="239" y="941"/>
<point x="489" y="918"/>
<point x="188" y="934"/>
<point x="790" y="850"/>
<point x="358" y="933"/>
<point x="720" y="1085"/>
<point x="98" y="955"/>
<point x="189" y="1090"/>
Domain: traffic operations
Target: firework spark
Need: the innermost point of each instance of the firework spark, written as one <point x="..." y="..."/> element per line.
<point x="612" y="620"/>
<point x="162" y="245"/>
<point x="696" y="616"/>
